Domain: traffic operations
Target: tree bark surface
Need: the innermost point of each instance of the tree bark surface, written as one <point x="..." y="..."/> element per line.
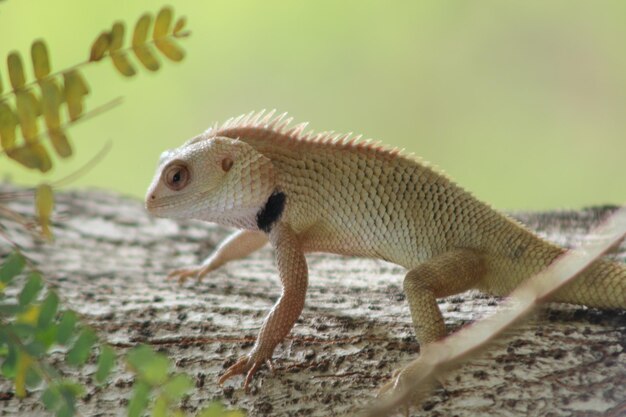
<point x="110" y="258"/>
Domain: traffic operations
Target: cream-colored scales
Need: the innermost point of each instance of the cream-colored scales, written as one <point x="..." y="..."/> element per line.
<point x="328" y="192"/>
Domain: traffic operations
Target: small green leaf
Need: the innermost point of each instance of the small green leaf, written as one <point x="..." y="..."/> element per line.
<point x="106" y="362"/>
<point x="47" y="335"/>
<point x="32" y="156"/>
<point x="150" y="366"/>
<point x="141" y="30"/>
<point x="60" y="143"/>
<point x="142" y="51"/>
<point x="41" y="62"/>
<point x="79" y="353"/>
<point x="179" y="26"/>
<point x="51" y="398"/>
<point x="66" y="327"/>
<point x="44" y="202"/>
<point x="170" y="49"/>
<point x="28" y="109"/>
<point x="29" y="316"/>
<point x="44" y="163"/>
<point x="139" y="400"/>
<point x="8" y="366"/>
<point x="177" y="387"/>
<point x="117" y="36"/>
<point x="122" y="63"/>
<point x="8" y="123"/>
<point x="12" y="267"/>
<point x="75" y="89"/>
<point x="51" y="99"/>
<point x="100" y="46"/>
<point x="48" y="309"/>
<point x="65" y="411"/>
<point x="162" y="23"/>
<point x="147" y="57"/>
<point x="71" y="389"/>
<point x="69" y="392"/>
<point x="16" y="70"/>
<point x="160" y="407"/>
<point x="31" y="289"/>
<point x="60" y="398"/>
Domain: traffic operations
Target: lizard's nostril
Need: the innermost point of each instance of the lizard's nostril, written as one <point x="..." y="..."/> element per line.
<point x="152" y="197"/>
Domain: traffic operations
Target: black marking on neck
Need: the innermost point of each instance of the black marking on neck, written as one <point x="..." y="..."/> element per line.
<point x="271" y="212"/>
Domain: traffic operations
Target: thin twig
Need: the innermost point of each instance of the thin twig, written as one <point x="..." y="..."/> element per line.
<point x="13" y="195"/>
<point x="85" y="168"/>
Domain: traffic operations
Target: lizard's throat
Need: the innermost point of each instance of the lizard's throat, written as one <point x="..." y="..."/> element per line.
<point x="252" y="218"/>
<point x="239" y="218"/>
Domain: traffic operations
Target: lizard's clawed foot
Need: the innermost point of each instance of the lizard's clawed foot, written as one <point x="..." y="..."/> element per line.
<point x="184" y="273"/>
<point x="245" y="365"/>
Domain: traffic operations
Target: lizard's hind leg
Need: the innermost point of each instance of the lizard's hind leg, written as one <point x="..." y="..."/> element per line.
<point x="446" y="274"/>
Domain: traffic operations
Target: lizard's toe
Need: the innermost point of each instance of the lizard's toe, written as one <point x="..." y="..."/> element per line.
<point x="182" y="274"/>
<point x="245" y="365"/>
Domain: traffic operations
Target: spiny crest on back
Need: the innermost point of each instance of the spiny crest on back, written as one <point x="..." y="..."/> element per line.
<point x="281" y="128"/>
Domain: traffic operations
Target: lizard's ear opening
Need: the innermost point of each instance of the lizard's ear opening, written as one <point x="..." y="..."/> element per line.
<point x="227" y="164"/>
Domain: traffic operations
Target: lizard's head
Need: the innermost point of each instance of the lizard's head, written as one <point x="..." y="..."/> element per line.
<point x="217" y="179"/>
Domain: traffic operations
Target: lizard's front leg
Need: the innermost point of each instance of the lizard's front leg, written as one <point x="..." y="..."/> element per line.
<point x="293" y="273"/>
<point x="236" y="246"/>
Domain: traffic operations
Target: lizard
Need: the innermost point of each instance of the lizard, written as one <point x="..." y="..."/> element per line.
<point x="307" y="192"/>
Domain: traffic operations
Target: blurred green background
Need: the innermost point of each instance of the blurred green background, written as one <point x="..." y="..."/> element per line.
<point x="521" y="102"/>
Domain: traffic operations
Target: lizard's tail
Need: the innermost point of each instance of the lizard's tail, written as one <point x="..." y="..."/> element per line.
<point x="602" y="285"/>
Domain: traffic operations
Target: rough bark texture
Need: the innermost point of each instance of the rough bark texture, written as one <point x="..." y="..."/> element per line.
<point x="110" y="258"/>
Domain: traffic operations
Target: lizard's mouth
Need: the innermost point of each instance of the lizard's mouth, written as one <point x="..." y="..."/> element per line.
<point x="180" y="204"/>
<point x="187" y="205"/>
<point x="156" y="208"/>
<point x="164" y="206"/>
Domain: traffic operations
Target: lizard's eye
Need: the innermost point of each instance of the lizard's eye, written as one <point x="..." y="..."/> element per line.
<point x="176" y="176"/>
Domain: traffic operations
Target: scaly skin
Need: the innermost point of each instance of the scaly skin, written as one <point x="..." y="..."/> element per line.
<point x="326" y="193"/>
